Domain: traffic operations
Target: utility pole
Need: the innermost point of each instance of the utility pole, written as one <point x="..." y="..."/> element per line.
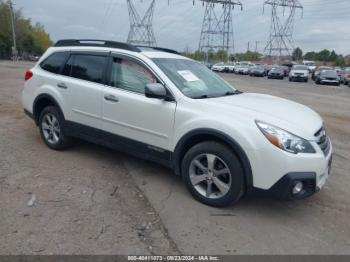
<point x="248" y="46"/>
<point x="14" y="46"/>
<point x="281" y="42"/>
<point x="256" y="46"/>
<point x="217" y="29"/>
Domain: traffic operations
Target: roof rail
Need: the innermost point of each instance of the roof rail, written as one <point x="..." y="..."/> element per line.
<point x="96" y="43"/>
<point x="158" y="49"/>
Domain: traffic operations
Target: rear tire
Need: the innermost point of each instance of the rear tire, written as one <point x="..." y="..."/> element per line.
<point x="52" y="129"/>
<point x="213" y="174"/>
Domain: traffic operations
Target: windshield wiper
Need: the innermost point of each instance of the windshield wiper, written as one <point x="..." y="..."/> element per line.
<point x="231" y="93"/>
<point x="200" y="97"/>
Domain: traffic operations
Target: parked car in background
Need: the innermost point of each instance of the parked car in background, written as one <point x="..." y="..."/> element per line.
<point x="219" y="67"/>
<point x="258" y="70"/>
<point x="345" y="77"/>
<point x="33" y="58"/>
<point x="318" y="70"/>
<point x="230" y="67"/>
<point x="286" y="70"/>
<point x="289" y="64"/>
<point x="299" y="73"/>
<point x="207" y="64"/>
<point x="267" y="68"/>
<point x="328" y="77"/>
<point x="276" y="73"/>
<point x="243" y="70"/>
<point x="311" y="65"/>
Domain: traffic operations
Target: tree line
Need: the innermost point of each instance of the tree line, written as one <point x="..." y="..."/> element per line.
<point x="222" y="56"/>
<point x="31" y="39"/>
<point x="324" y="56"/>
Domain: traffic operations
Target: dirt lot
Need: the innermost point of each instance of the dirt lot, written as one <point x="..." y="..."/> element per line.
<point x="90" y="200"/>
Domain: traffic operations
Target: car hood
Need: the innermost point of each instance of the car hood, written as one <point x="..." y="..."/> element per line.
<point x="291" y="116"/>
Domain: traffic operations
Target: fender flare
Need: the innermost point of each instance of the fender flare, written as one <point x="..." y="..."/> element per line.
<point x="233" y="144"/>
<point x="40" y="97"/>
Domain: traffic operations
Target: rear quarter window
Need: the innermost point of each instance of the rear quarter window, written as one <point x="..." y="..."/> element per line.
<point x="55" y="62"/>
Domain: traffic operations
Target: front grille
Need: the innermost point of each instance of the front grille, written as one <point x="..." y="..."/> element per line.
<point x="323" y="141"/>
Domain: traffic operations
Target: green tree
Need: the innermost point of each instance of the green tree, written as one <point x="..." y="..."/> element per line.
<point x="310" y="56"/>
<point x="333" y="57"/>
<point x="324" y="55"/>
<point x="297" y="54"/>
<point x="30" y="39"/>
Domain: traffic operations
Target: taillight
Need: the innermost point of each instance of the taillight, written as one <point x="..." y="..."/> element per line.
<point x="348" y="75"/>
<point x="28" y="75"/>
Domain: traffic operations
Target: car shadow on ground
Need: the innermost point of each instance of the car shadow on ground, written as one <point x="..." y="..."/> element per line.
<point x="148" y="172"/>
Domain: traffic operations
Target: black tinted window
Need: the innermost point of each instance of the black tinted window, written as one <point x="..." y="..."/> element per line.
<point x="67" y="70"/>
<point x="54" y="62"/>
<point x="86" y="67"/>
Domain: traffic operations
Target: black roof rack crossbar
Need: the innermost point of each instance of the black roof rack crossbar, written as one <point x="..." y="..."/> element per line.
<point x="96" y="43"/>
<point x="159" y="49"/>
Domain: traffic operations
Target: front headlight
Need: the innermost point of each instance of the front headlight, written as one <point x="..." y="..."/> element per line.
<point x="285" y="140"/>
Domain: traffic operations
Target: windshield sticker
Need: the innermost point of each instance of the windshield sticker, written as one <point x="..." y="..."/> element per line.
<point x="188" y="75"/>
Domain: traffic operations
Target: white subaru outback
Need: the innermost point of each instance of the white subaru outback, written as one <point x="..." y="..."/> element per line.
<point x="158" y="105"/>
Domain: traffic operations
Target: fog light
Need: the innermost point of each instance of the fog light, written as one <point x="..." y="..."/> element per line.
<point x="298" y="187"/>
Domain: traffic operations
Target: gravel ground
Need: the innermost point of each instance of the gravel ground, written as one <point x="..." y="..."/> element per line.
<point x="82" y="201"/>
<point x="90" y="200"/>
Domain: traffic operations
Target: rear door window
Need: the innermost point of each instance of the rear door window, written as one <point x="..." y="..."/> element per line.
<point x="55" y="62"/>
<point x="86" y="67"/>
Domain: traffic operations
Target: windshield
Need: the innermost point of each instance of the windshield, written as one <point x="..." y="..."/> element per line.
<point x="277" y="69"/>
<point x="300" y="67"/>
<point x="329" y="73"/>
<point x="193" y="79"/>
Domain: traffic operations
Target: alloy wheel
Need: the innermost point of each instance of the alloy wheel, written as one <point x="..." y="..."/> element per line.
<point x="210" y="176"/>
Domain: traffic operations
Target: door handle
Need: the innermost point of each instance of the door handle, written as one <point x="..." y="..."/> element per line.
<point x="62" y="85"/>
<point x="111" y="98"/>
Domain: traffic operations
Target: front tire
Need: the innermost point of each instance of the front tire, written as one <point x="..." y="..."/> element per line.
<point x="213" y="174"/>
<point x="52" y="129"/>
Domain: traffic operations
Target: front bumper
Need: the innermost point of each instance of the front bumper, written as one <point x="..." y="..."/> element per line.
<point x="279" y="178"/>
<point x="312" y="183"/>
<point x="299" y="78"/>
<point x="257" y="73"/>
<point x="330" y="82"/>
<point x="276" y="76"/>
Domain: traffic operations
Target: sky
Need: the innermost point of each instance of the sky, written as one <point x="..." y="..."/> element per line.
<point x="325" y="24"/>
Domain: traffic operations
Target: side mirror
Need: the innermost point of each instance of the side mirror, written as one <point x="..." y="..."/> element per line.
<point x="155" y="90"/>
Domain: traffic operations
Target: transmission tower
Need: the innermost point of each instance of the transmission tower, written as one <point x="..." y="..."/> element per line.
<point x="141" y="30"/>
<point x="217" y="29"/>
<point x="281" y="41"/>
